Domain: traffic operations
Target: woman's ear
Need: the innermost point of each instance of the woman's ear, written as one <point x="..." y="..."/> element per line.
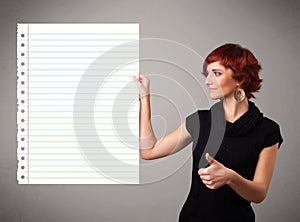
<point x="239" y="83"/>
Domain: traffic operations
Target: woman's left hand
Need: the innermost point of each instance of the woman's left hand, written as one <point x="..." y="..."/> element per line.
<point x="216" y="175"/>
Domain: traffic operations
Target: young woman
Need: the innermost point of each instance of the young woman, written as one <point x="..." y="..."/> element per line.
<point x="242" y="169"/>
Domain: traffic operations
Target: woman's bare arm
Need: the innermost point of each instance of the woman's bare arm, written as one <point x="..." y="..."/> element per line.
<point x="256" y="190"/>
<point x="150" y="147"/>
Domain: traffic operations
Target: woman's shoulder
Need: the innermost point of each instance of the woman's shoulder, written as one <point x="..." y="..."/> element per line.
<point x="265" y="121"/>
<point x="192" y="120"/>
<point x="271" y="131"/>
<point x="268" y="123"/>
<point x="198" y="112"/>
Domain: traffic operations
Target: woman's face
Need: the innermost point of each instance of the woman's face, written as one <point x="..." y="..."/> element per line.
<point x="220" y="82"/>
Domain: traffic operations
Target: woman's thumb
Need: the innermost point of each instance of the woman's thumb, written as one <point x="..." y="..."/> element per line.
<point x="136" y="80"/>
<point x="209" y="158"/>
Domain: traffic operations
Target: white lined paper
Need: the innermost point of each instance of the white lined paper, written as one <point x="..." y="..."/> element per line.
<point x="77" y="107"/>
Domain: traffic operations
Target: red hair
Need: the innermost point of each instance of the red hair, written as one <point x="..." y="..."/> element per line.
<point x="242" y="62"/>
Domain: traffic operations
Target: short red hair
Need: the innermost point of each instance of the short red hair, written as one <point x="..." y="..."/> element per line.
<point x="242" y="62"/>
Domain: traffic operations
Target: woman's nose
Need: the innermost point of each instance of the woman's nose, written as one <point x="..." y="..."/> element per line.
<point x="208" y="80"/>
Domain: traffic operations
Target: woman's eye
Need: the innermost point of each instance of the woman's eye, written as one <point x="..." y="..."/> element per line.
<point x="217" y="73"/>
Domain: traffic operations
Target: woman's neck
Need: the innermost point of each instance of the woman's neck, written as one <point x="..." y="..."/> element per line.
<point x="233" y="109"/>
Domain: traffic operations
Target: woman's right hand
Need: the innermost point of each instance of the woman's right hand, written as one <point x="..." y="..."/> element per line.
<point x="143" y="84"/>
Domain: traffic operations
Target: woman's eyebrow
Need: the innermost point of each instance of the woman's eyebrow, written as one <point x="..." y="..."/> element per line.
<point x="217" y="70"/>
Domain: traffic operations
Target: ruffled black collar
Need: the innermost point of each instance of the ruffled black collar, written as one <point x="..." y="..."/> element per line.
<point x="243" y="124"/>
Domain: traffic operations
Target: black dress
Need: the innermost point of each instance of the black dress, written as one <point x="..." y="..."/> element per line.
<point x="240" y="147"/>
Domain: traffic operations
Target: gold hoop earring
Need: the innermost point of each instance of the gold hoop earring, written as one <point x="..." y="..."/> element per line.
<point x="239" y="94"/>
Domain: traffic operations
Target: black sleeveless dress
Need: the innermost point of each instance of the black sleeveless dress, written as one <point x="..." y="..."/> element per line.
<point x="240" y="147"/>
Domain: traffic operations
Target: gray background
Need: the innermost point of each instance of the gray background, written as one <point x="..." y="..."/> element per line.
<point x="271" y="29"/>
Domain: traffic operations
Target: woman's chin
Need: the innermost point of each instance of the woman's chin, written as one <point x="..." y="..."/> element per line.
<point x="215" y="97"/>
